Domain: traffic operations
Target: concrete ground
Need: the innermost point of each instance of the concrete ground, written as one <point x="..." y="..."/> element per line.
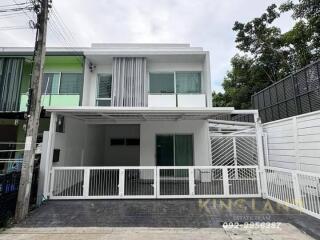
<point x="284" y="232"/>
<point x="154" y="219"/>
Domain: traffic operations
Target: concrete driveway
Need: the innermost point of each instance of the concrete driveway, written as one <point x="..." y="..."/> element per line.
<point x="154" y="219"/>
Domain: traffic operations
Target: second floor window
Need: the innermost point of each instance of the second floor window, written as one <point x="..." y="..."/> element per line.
<point x="61" y="83"/>
<point x="104" y="90"/>
<point x="176" y="82"/>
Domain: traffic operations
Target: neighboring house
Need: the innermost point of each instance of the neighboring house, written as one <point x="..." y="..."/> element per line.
<point x="62" y="86"/>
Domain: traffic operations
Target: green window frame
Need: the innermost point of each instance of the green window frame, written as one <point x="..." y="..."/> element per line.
<point x="104" y="90"/>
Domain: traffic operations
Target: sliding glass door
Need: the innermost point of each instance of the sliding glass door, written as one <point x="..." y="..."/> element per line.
<point x="174" y="150"/>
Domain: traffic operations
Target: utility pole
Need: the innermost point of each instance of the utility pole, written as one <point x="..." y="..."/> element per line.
<point x="22" y="206"/>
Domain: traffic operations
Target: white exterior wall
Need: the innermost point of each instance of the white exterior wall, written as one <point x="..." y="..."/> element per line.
<point x="121" y="155"/>
<point x="198" y="128"/>
<point x="94" y="146"/>
<point x="90" y="83"/>
<point x="89" y="145"/>
<point x="71" y="143"/>
<point x="294" y="143"/>
<point x="170" y="64"/>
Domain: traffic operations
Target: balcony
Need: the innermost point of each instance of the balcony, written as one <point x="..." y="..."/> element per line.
<point x="53" y="100"/>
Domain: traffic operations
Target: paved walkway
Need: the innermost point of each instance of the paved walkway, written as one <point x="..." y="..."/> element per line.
<point x="184" y="215"/>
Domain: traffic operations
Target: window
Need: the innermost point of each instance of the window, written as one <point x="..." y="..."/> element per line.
<point x="188" y="82"/>
<point x="50" y="83"/>
<point x="61" y="83"/>
<point x="70" y="83"/>
<point x="60" y="124"/>
<point x="161" y="82"/>
<point x="132" y="141"/>
<point x="117" y="141"/>
<point x="174" y="150"/>
<point x="177" y="82"/>
<point x="104" y="84"/>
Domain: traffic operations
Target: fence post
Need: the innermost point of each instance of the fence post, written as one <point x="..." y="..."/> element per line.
<point x="51" y="178"/>
<point x="158" y="181"/>
<point x="261" y="163"/>
<point x="191" y="181"/>
<point x="225" y="181"/>
<point x="121" y="182"/>
<point x="86" y="178"/>
<point x="235" y="156"/>
<point x="296" y="142"/>
<point x="296" y="190"/>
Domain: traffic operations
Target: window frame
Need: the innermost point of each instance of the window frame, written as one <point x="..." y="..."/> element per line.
<point x="201" y="90"/>
<point x="175" y="82"/>
<point x="59" y="73"/>
<point x="59" y="83"/>
<point x="97" y="89"/>
<point x="163" y="72"/>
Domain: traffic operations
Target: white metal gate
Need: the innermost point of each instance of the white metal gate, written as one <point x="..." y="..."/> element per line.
<point x="234" y="150"/>
<point x="154" y="182"/>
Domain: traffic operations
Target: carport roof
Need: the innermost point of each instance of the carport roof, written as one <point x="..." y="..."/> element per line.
<point x="144" y="113"/>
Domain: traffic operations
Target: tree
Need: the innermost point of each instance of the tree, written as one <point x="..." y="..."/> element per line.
<point x="244" y="78"/>
<point x="267" y="55"/>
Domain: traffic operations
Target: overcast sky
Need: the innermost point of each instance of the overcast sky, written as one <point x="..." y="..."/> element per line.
<point x="204" y="23"/>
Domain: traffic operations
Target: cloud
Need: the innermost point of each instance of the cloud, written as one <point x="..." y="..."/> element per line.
<point x="205" y="23"/>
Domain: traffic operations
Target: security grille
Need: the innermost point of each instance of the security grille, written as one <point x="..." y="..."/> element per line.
<point x="234" y="150"/>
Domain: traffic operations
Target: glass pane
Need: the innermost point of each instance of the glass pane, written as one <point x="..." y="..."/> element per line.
<point x="183" y="150"/>
<point x="104" y="86"/>
<point x="188" y="82"/>
<point x="103" y="103"/>
<point x="50" y="83"/>
<point x="70" y="83"/>
<point x="161" y="83"/>
<point x="164" y="150"/>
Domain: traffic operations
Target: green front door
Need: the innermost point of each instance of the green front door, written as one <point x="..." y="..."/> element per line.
<point x="174" y="150"/>
<point x="165" y="152"/>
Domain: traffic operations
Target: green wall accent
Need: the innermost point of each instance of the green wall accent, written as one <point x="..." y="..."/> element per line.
<point x="53" y="64"/>
<point x="71" y="64"/>
<point x="53" y="101"/>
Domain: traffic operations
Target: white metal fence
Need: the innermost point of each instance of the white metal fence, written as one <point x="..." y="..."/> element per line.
<point x="294" y="143"/>
<point x="154" y="182"/>
<point x="296" y="189"/>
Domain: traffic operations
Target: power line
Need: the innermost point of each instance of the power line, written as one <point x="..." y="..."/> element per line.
<point x="11" y="15"/>
<point x="12" y="5"/>
<point x="13" y="28"/>
<point x="62" y="33"/>
<point x="16" y="9"/>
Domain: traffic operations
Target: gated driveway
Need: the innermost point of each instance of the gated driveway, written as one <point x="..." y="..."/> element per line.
<point x="177" y="213"/>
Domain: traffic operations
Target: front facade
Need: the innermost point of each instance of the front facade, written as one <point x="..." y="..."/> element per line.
<point x="120" y="115"/>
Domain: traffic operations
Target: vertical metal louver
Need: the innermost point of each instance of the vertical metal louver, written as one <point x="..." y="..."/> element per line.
<point x="129" y="77"/>
<point x="10" y="81"/>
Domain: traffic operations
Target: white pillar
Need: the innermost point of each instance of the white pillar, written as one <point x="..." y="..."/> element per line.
<point x="47" y="156"/>
<point x="261" y="164"/>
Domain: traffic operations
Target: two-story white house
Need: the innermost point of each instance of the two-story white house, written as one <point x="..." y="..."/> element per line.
<point x="144" y="106"/>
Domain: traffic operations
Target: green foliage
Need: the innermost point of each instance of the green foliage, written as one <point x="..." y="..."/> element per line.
<point x="266" y="54"/>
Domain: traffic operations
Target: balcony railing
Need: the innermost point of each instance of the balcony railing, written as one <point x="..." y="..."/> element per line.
<point x="53" y="100"/>
<point x="177" y="100"/>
